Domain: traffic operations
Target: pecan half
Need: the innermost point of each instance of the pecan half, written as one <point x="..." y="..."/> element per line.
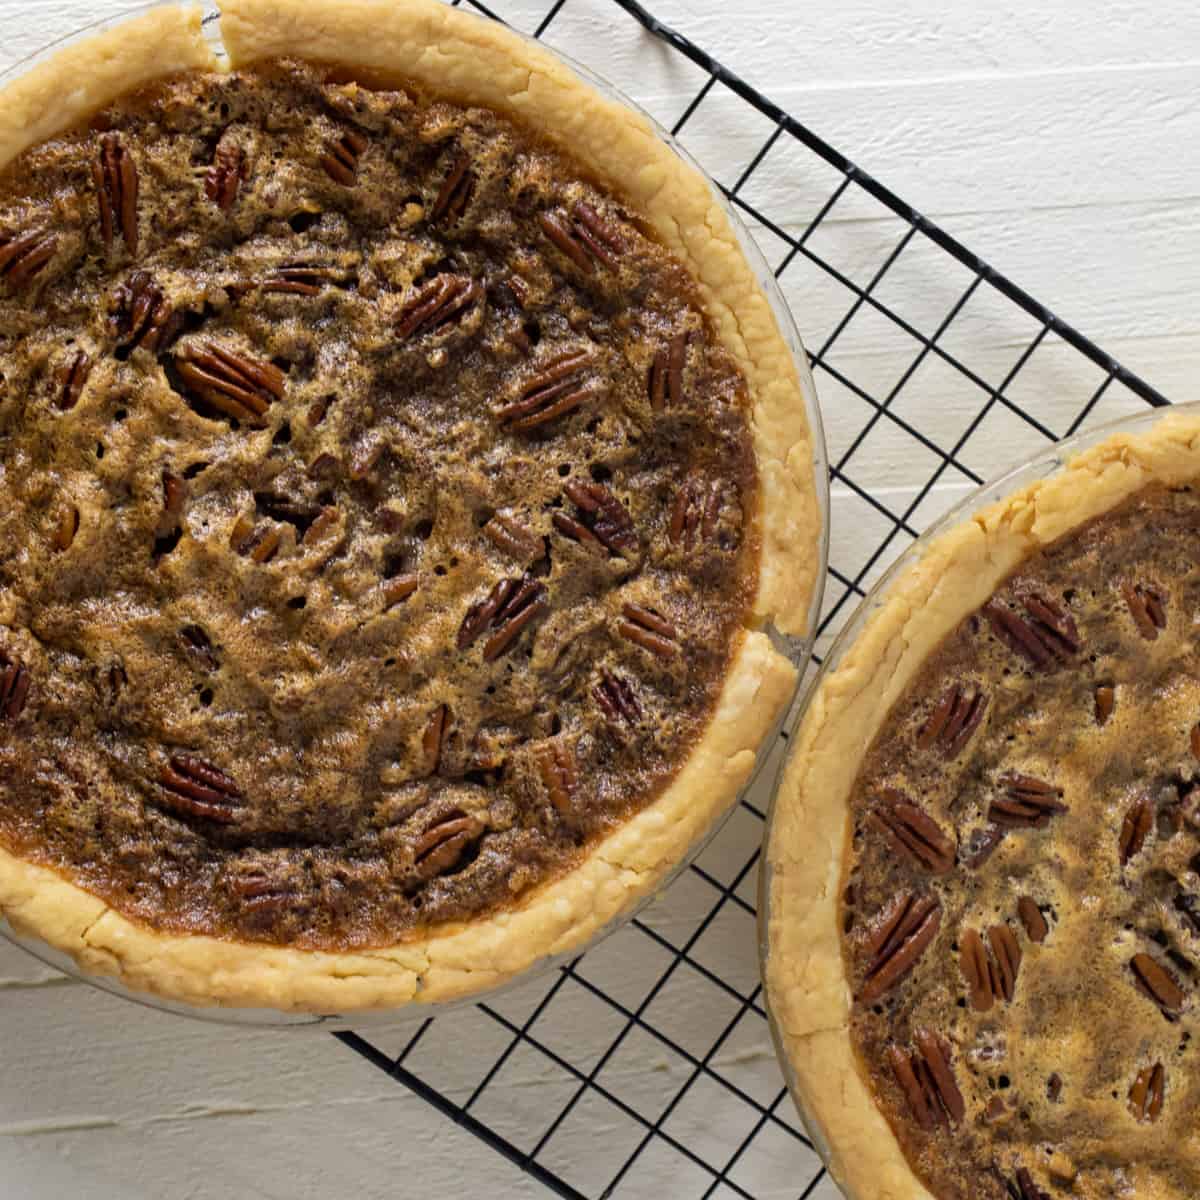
<point x="617" y="699"/>
<point x="397" y="588"/>
<point x="1036" y="928"/>
<point x="1106" y="699"/>
<point x="1022" y="1187"/>
<point x="302" y="279"/>
<point x="195" y="788"/>
<point x="560" y="773"/>
<point x="990" y="976"/>
<point x="144" y="318"/>
<point x="1135" y="828"/>
<point x="1159" y="984"/>
<point x="262" y="888"/>
<point x="897" y="938"/>
<point x="696" y="511"/>
<point x="577" y="531"/>
<point x="115" y="175"/>
<point x="927" y="1080"/>
<point x="24" y="256"/>
<point x="340" y="159"/>
<point x="455" y="192"/>
<point x="1006" y="953"/>
<point x="976" y="968"/>
<point x="644" y="627"/>
<point x="434" y="738"/>
<point x="233" y="383"/>
<point x="602" y="518"/>
<point x="316" y="414"/>
<point x="953" y="721"/>
<point x="508" y="534"/>
<point x="917" y="1088"/>
<point x="558" y="388"/>
<point x="480" y="616"/>
<point x="225" y="176"/>
<point x="443" y="844"/>
<point x="914" y="832"/>
<point x="436" y="303"/>
<point x="14" y="687"/>
<point x="526" y="604"/>
<point x="510" y="606"/>
<point x="73" y="377"/>
<point x="1026" y="801"/>
<point x="66" y="527"/>
<point x="1148" y="1092"/>
<point x="584" y="237"/>
<point x="664" y="381"/>
<point x="1046" y="637"/>
<point x="1147" y="607"/>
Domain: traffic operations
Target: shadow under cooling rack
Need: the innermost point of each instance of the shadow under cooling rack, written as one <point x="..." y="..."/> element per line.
<point x="644" y="1068"/>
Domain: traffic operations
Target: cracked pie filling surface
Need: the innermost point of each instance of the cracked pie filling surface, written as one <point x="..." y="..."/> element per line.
<point x="1017" y="911"/>
<point x="385" y="523"/>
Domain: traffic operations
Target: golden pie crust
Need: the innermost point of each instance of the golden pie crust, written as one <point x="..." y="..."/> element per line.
<point x="470" y="61"/>
<point x="809" y="994"/>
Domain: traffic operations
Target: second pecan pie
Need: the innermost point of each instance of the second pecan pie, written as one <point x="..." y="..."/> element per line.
<point x="399" y="467"/>
<point x="984" y="900"/>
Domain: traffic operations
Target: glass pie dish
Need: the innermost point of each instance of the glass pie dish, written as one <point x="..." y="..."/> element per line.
<point x="795" y="648"/>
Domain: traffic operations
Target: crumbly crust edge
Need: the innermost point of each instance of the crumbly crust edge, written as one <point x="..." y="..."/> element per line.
<point x="808" y="992"/>
<point x="479" y="62"/>
<point x="81" y="78"/>
<point x="452" y="961"/>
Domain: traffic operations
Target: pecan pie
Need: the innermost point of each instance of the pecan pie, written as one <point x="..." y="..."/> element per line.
<point x="400" y="469"/>
<point x="985" y="893"/>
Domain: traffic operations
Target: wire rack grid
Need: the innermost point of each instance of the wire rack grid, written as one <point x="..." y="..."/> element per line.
<point x="644" y="1067"/>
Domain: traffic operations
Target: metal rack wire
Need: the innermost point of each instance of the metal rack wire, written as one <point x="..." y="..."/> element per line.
<point x="655" y="1042"/>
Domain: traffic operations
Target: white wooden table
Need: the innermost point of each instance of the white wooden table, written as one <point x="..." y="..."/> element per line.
<point x="1061" y="142"/>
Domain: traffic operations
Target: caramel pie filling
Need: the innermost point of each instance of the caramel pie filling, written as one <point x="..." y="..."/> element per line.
<point x="1022" y="909"/>
<point x="379" y="509"/>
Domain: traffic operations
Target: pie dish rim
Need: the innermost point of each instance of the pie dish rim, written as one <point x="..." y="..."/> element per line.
<point x="622" y="870"/>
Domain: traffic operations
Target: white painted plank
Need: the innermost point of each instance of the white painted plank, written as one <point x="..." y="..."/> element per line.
<point x="867" y="40"/>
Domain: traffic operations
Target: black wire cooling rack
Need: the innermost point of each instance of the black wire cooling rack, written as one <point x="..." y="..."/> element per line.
<point x="644" y="1067"/>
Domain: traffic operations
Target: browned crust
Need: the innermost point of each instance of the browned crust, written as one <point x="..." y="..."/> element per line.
<point x="453" y="53"/>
